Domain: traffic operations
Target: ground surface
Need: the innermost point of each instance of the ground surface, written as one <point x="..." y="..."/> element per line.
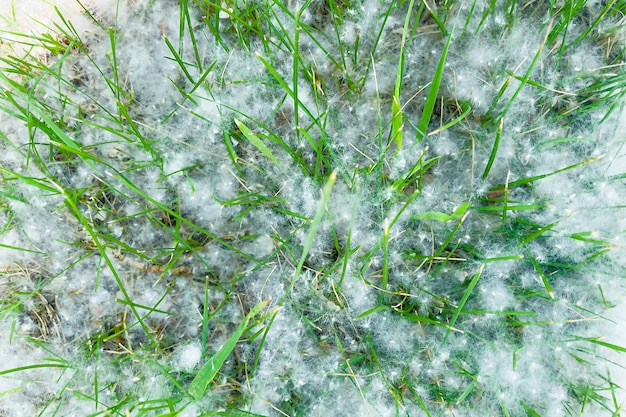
<point x="312" y="209"/>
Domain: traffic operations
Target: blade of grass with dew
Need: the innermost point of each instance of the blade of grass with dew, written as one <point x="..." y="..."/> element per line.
<point x="588" y="237"/>
<point x="320" y="160"/>
<point x="431" y="99"/>
<point x="542" y="274"/>
<point x="52" y="130"/>
<point x="205" y="375"/>
<point x="29" y="367"/>
<point x="337" y="20"/>
<point x="385" y="240"/>
<point x="188" y="95"/>
<point x="272" y="136"/>
<point x="467" y="391"/>
<point x="597" y="341"/>
<point x="178" y="59"/>
<point x="529" y="180"/>
<point x="442" y="217"/>
<point x="502" y="258"/>
<point x="538" y="233"/>
<point x="466" y="109"/>
<point x="466" y="295"/>
<point x="397" y="396"/>
<point x="288" y="90"/>
<point x="448" y="240"/>
<point x="443" y="262"/>
<point x="416" y="318"/>
<point x="415" y="173"/>
<point x="373" y="310"/>
<point x="510" y="207"/>
<point x="396" y="120"/>
<point x="396" y="108"/>
<point x="494" y="150"/>
<point x="185" y="20"/>
<point x="404" y="206"/>
<point x="348" y="251"/>
<point x="409" y="316"/>
<point x="522" y="83"/>
<point x="256" y="142"/>
<point x="317" y="221"/>
<point x="114" y="84"/>
<point x="437" y="20"/>
<point x="385" y="245"/>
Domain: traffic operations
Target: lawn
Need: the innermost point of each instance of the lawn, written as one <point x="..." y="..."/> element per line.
<point x="312" y="208"/>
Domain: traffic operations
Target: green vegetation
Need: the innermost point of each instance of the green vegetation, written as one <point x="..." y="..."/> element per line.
<point x="263" y="208"/>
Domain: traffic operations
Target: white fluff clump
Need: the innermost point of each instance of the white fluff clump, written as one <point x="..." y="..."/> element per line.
<point x="189" y="356"/>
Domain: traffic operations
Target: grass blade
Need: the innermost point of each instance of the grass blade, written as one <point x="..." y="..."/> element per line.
<point x="396" y="108"/>
<point x="396" y="122"/>
<point x="429" y="107"/>
<point x="442" y="217"/>
<point x="466" y="296"/>
<point x="494" y="150"/>
<point x="317" y="220"/>
<point x="254" y="140"/>
<point x="385" y="256"/>
<point x="542" y="274"/>
<point x="210" y="369"/>
<point x="466" y="108"/>
<point x="29" y="367"/>
<point x="529" y="180"/>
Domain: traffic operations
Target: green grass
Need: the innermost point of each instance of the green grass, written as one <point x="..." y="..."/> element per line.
<point x="211" y="276"/>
